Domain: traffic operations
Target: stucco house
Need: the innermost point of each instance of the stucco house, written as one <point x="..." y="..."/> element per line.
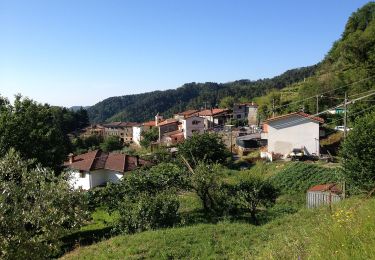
<point x="96" y="168"/>
<point x="122" y="130"/>
<point x="215" y="117"/>
<point x="247" y="111"/>
<point x="192" y="125"/>
<point x="296" y="130"/>
<point x="138" y="129"/>
<point x="185" y="114"/>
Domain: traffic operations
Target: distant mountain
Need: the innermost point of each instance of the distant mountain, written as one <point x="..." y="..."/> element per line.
<point x="76" y="108"/>
<point x="144" y="106"/>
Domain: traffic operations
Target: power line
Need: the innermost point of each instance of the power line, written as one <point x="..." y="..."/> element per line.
<point x="320" y="94"/>
<point x="325" y="111"/>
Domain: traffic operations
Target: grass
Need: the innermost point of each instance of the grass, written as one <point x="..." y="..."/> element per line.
<point x="309" y="234"/>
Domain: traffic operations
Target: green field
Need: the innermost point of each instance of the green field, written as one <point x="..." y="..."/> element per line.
<point x="344" y="233"/>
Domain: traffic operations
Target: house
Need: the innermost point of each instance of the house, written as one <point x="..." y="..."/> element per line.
<point x="123" y="130"/>
<point x="296" y="130"/>
<point x="214" y="117"/>
<point x="93" y="130"/>
<point x="192" y="125"/>
<point x="98" y="168"/>
<point x="182" y="115"/>
<point x="173" y="138"/>
<point x="166" y="126"/>
<point x="323" y="194"/>
<point x="246" y="111"/>
<point x="138" y="129"/>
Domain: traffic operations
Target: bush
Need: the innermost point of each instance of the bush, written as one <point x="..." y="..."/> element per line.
<point x="111" y="143"/>
<point x="146" y="212"/>
<point x="358" y="152"/>
<point x="36" y="209"/>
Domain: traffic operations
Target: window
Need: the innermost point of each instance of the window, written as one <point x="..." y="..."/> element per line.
<point x="82" y="174"/>
<point x="238" y="116"/>
<point x="195" y="122"/>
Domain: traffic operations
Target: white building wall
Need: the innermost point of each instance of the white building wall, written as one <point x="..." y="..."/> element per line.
<point x="137" y="131"/>
<point x="189" y="128"/>
<point x="77" y="182"/>
<point x="293" y="132"/>
<point x="93" y="179"/>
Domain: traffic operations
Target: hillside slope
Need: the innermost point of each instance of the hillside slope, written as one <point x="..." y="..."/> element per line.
<point x="144" y="106"/>
<point x="310" y="234"/>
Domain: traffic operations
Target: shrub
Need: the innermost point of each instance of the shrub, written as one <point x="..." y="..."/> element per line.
<point x="146" y="212"/>
<point x="358" y="152"/>
<point x="36" y="209"/>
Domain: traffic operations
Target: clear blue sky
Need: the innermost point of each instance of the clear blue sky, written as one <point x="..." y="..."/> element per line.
<point x="78" y="52"/>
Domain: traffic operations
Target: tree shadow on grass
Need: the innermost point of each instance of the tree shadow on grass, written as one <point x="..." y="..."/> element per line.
<point x="84" y="238"/>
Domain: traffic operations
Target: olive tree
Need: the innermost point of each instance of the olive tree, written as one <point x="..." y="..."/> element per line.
<point x="37" y="208"/>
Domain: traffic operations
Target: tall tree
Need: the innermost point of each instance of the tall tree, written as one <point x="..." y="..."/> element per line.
<point x="34" y="131"/>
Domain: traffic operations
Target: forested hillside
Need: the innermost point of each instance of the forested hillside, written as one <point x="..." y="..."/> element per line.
<point x="142" y="107"/>
<point x="348" y="67"/>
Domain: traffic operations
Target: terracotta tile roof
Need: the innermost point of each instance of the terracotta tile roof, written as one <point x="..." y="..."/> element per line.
<point x="149" y="123"/>
<point x="83" y="162"/>
<point x="302" y="114"/>
<point x="115" y="162"/>
<point x="188" y="112"/>
<point x="97" y="160"/>
<point x="168" y="121"/>
<point x="213" y="112"/>
<point x="120" y="124"/>
<point x="326" y="187"/>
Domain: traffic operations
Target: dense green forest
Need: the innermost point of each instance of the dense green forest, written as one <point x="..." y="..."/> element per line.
<point x="348" y="67"/>
<point x="144" y="106"/>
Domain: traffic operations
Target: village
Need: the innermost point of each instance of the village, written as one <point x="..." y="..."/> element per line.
<point x="293" y="136"/>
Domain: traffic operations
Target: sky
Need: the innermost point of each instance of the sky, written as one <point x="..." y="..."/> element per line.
<point x="79" y="52"/>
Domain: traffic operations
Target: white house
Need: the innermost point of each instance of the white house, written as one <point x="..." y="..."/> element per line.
<point x="97" y="168"/>
<point x="296" y="130"/>
<point x="138" y="129"/>
<point x="192" y="125"/>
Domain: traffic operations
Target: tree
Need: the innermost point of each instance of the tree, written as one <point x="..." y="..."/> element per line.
<point x="205" y="180"/>
<point x="149" y="136"/>
<point x="358" y="153"/>
<point x="254" y="191"/>
<point x="207" y="147"/>
<point x="36" y="209"/>
<point x="227" y="102"/>
<point x="34" y="131"/>
<point x="147" y="198"/>
<point x="111" y="143"/>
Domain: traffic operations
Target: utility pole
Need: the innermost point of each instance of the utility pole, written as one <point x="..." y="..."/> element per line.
<point x="345" y="114"/>
<point x="205" y="105"/>
<point x="273" y="107"/>
<point x="317" y="104"/>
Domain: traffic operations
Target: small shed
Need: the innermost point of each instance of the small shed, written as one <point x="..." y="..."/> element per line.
<point x="323" y="194"/>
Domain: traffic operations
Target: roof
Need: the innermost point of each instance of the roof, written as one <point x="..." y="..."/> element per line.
<point x="302" y="114"/>
<point x="168" y="121"/>
<point x="250" y="104"/>
<point x="149" y="123"/>
<point x="188" y="112"/>
<point x="120" y="124"/>
<point x="97" y="160"/>
<point x="326" y="187"/>
<point x="213" y="112"/>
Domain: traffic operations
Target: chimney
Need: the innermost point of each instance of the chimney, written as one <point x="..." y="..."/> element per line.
<point x="137" y="160"/>
<point x="71" y="158"/>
